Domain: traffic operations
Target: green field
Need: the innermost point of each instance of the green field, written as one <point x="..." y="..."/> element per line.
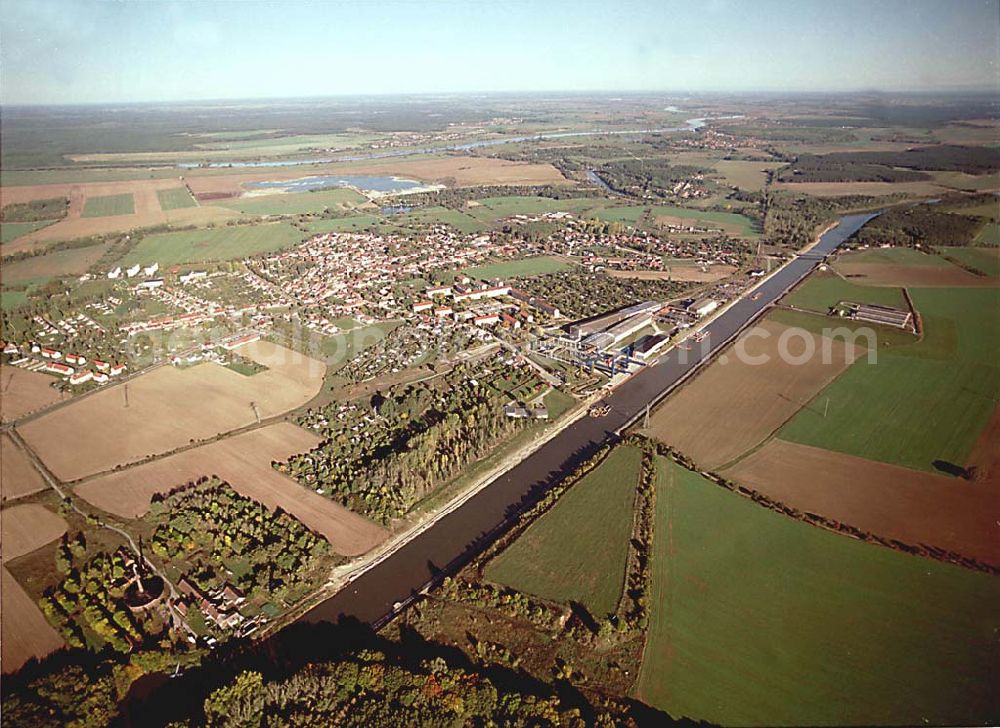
<point x="296" y="203"/>
<point x="729" y="221"/>
<point x="919" y="403"/>
<point x="525" y="267"/>
<point x="758" y="619"/>
<point x="984" y="259"/>
<point x="12" y="299"/>
<point x="40" y="268"/>
<point x="109" y="205"/>
<point x="745" y="174"/>
<point x="354" y="223"/>
<point x="630" y="215"/>
<point x="577" y="551"/>
<point x="491" y="209"/>
<point x="989" y="235"/>
<point x="13" y="230"/>
<point x="175" y="198"/>
<point x="437" y="215"/>
<point x="821" y="291"/>
<point x="195" y="246"/>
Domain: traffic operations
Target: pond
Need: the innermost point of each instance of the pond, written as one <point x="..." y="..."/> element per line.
<point x="319" y="182"/>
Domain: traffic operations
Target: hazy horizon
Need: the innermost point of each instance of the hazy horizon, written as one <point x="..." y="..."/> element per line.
<point x="56" y="52"/>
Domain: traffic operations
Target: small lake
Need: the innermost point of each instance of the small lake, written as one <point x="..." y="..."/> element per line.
<point x="395" y="209"/>
<point x="322" y="182"/>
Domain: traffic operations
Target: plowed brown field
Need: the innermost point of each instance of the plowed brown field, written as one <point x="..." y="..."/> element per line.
<point x="908" y="505"/>
<point x="23" y="392"/>
<point x="916" y="276"/>
<point x="18" y="476"/>
<point x="169" y="408"/>
<point x="733" y="406"/>
<point x="244" y="461"/>
<point x="24" y="631"/>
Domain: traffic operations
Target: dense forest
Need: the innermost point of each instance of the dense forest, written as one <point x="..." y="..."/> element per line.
<point x="652" y="178"/>
<point x="882" y="166"/>
<point x="920" y="225"/>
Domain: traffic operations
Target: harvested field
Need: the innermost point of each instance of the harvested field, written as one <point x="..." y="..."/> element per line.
<point x="245" y="462"/>
<point x="24" y="392"/>
<point x="692" y="273"/>
<point x="18" y="476"/>
<point x="24" y="631"/>
<point x="985" y="455"/>
<point x="28" y="527"/>
<point x="170" y="407"/>
<point x="910" y="506"/>
<point x="733" y="406"/>
<point x="919" y="276"/>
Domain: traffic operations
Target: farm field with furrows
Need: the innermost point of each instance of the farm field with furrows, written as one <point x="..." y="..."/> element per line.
<point x="109" y="205"/>
<point x="732" y="407"/>
<point x="175" y="198"/>
<point x="24" y="631"/>
<point x="758" y="619"/>
<point x="950" y="377"/>
<point x="18" y="476"/>
<point x="577" y="551"/>
<point x="169" y="408"/>
<point x="25" y="392"/>
<point x="12" y="230"/>
<point x="905" y="267"/>
<point x="195" y="246"/>
<point x="244" y="461"/>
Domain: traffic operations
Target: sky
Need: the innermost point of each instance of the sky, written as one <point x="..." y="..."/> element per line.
<point x="87" y="51"/>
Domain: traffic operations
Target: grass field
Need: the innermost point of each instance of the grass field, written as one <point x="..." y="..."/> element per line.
<point x="193" y="246"/>
<point x="824" y="290"/>
<point x="296" y="203"/>
<point x="109" y="205"/>
<point x="437" y="215"/>
<point x="984" y="259"/>
<point x="175" y="198"/>
<point x="12" y="299"/>
<point x="525" y="267"/>
<point x="630" y="215"/>
<point x="757" y="619"/>
<point x="894" y="256"/>
<point x="990" y="210"/>
<point x="727" y="220"/>
<point x="920" y="403"/>
<point x="492" y="209"/>
<point x="11" y="230"/>
<point x="577" y="551"/>
<point x="39" y="268"/>
<point x="354" y="223"/>
<point x="989" y="235"/>
<point x="747" y="175"/>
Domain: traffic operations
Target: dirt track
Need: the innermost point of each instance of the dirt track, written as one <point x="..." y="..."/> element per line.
<point x="733" y="406"/>
<point x="908" y="505"/>
<point x="244" y="461"/>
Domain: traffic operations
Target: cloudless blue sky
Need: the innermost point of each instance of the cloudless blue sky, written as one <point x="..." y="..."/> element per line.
<point x="68" y="51"/>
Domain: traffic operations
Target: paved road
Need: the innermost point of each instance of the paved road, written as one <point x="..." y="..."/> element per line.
<point x="457" y="537"/>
